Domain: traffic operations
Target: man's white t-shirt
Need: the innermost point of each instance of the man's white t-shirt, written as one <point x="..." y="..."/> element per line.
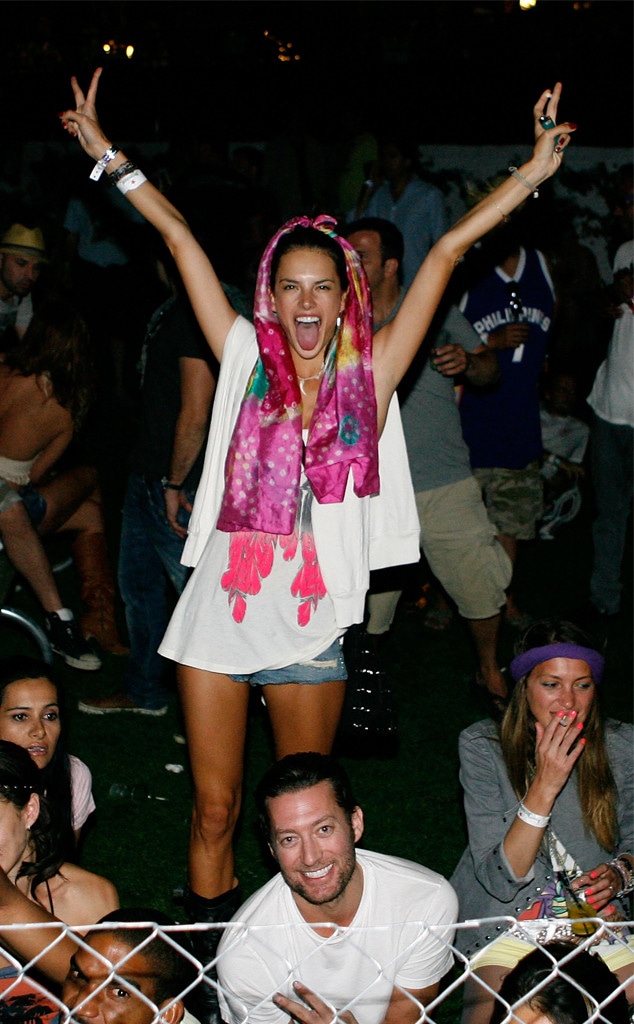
<point x="388" y="943"/>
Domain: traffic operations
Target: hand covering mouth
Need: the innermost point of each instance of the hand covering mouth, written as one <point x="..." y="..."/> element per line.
<point x="307" y="330"/>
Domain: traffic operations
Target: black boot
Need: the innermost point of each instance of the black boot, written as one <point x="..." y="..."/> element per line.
<point x="203" y="1001"/>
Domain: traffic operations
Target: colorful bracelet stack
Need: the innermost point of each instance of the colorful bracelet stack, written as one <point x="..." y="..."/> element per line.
<point x="624" y="870"/>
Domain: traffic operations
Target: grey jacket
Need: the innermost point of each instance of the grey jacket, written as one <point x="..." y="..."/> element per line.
<point x="483" y="879"/>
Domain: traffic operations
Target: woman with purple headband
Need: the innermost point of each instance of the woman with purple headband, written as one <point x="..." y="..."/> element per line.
<point x="290" y="515"/>
<point x="549" y="803"/>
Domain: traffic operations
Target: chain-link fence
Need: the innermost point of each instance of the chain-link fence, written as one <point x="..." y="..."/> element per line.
<point x="138" y="967"/>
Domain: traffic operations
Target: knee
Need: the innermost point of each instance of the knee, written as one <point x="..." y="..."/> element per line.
<point x="14" y="519"/>
<point x="215" y="815"/>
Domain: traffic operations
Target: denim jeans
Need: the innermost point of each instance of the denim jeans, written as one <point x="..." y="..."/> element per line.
<point x="611" y="454"/>
<point x="150" y="571"/>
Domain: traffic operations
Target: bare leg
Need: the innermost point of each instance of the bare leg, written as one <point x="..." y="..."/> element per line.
<point x="304" y="716"/>
<point x="484" y="633"/>
<point x="25" y="551"/>
<point x="73" y="502"/>
<point x="215" y="712"/>
<point x="510" y="546"/>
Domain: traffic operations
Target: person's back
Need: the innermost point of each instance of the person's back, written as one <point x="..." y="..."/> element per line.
<point x="31" y="417"/>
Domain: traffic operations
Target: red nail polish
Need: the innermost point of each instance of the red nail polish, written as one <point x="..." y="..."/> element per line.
<point x="572" y="125"/>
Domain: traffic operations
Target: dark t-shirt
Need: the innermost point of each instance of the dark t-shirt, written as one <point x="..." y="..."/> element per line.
<point x="172" y="334"/>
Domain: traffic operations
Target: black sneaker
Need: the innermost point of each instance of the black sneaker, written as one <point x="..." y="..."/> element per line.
<point x="67" y="641"/>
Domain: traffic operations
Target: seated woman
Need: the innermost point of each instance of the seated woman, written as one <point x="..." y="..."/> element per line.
<point x="32" y="863"/>
<point x="560" y="984"/>
<point x="549" y="803"/>
<point x="45" y="388"/>
<point x="32" y="714"/>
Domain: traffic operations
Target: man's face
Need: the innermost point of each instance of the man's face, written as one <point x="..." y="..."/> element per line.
<point x="117" y="1002"/>
<point x="393" y="164"/>
<point x="368" y="246"/>
<point x="18" y="273"/>
<point x="313" y="841"/>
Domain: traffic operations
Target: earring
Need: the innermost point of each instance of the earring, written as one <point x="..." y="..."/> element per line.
<point x="338" y="321"/>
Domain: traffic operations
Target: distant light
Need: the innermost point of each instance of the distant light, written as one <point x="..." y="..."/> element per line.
<point x="525" y="5"/>
<point x="129" y="50"/>
<point x="107" y="48"/>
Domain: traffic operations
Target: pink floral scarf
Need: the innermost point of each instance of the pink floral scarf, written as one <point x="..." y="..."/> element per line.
<point x="263" y="466"/>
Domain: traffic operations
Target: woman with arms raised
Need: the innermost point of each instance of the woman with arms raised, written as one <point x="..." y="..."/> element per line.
<point x="288" y="518"/>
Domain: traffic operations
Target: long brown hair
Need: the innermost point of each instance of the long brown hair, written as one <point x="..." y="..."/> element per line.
<point x="594" y="778"/>
<point x="56" y="346"/>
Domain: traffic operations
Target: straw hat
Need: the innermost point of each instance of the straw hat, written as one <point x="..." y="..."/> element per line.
<point x="28" y="241"/>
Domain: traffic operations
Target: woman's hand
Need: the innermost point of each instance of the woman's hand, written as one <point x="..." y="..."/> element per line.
<point x="312" y="1009"/>
<point x="550" y="142"/>
<point x="82" y="123"/>
<point x="600" y="885"/>
<point x="557" y="750"/>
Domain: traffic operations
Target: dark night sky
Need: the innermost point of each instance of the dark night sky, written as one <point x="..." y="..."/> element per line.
<point x="464" y="72"/>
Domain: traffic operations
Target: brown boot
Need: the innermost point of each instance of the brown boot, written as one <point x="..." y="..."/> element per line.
<point x="90" y="555"/>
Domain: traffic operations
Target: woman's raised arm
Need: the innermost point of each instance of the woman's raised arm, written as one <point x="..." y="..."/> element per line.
<point x="397" y="343"/>
<point x="213" y="311"/>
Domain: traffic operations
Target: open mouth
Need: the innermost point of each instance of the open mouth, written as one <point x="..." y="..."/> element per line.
<point x="307" y="331"/>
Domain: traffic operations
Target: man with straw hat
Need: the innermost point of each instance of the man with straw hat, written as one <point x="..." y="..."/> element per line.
<point x="22" y="255"/>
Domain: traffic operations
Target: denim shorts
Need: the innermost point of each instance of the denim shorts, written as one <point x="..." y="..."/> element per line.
<point x="32" y="500"/>
<point x="34" y="503"/>
<point x="324" y="668"/>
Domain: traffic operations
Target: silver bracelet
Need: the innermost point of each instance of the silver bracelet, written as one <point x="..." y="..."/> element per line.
<point x="131" y="181"/>
<point x="626" y="873"/>
<point x="536" y="820"/>
<point x="103" y="162"/>
<point x="525" y="182"/>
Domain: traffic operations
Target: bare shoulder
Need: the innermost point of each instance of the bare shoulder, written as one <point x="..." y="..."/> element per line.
<point x="78" y="896"/>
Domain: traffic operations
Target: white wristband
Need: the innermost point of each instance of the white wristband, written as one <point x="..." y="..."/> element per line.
<point x="131" y="181"/>
<point x="536" y="820"/>
<point x="101" y="164"/>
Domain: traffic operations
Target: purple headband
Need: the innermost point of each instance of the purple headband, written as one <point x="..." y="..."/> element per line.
<point x="528" y="660"/>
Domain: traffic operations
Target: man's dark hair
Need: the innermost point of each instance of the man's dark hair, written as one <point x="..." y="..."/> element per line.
<point x="296" y="772"/>
<point x="557" y="991"/>
<point x="174" y="970"/>
<point x="392" y="246"/>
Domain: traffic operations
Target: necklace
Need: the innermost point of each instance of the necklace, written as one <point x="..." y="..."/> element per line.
<point x="303" y="380"/>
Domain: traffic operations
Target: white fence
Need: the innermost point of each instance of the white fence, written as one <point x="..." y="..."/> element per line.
<point x="24" y="996"/>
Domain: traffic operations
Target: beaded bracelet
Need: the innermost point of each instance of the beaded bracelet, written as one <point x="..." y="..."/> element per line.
<point x="131" y="181"/>
<point x="121" y="172"/>
<point x="525" y="182"/>
<point x="103" y="162"/>
<point x="626" y="873"/>
<point x="530" y="818"/>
